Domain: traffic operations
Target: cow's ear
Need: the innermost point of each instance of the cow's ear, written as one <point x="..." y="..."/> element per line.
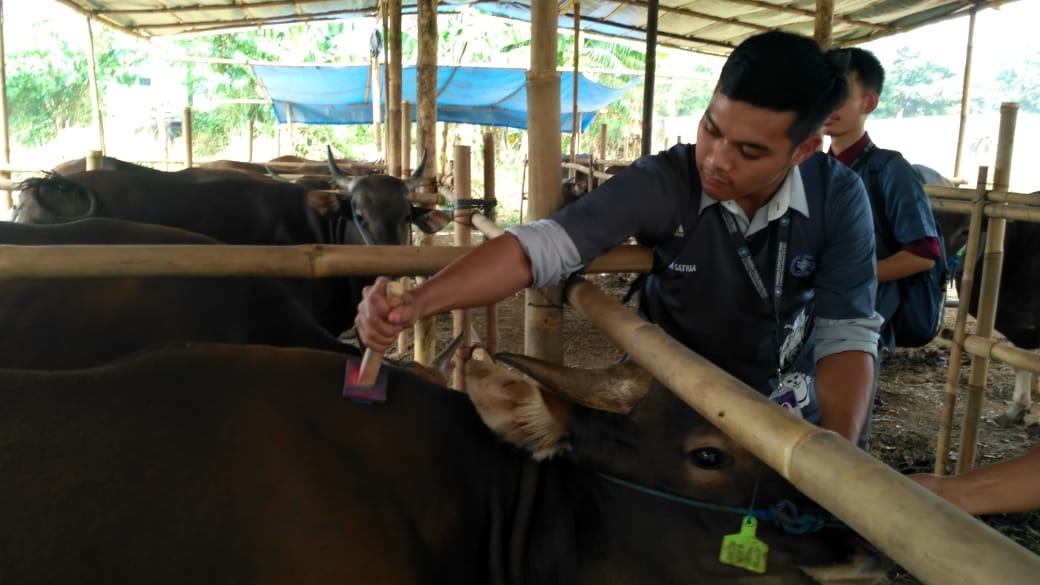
<point x="323" y="201"/>
<point x="516" y="409"/>
<point x="430" y="221"/>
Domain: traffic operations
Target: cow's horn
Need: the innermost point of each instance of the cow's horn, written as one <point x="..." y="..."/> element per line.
<point x="274" y="174"/>
<point x="345" y="181"/>
<point x="615" y="389"/>
<point x="440" y="363"/>
<point x="415" y="180"/>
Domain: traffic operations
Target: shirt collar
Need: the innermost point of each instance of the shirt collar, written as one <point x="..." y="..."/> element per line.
<point x="790" y="195"/>
<point x="848" y="155"/>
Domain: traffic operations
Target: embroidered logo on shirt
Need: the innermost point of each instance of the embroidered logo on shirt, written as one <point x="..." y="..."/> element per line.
<point x="802" y="265"/>
<point x="685" y="268"/>
<point x="679" y="233"/>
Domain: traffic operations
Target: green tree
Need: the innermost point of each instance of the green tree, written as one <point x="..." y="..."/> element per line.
<point x="1021" y="83"/>
<point x="917" y="87"/>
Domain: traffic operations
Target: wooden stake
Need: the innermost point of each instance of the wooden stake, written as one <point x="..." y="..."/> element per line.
<point x="490" y="311"/>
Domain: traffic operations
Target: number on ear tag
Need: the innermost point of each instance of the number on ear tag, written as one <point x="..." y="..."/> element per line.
<point x="743" y="549"/>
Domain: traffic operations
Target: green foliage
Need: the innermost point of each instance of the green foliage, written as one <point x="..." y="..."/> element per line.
<point x="917" y="87"/>
<point x="1021" y="83"/>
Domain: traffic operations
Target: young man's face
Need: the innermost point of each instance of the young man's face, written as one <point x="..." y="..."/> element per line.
<point x="743" y="151"/>
<point x="851" y="116"/>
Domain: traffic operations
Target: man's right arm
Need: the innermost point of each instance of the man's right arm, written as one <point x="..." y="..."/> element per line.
<point x="488" y="274"/>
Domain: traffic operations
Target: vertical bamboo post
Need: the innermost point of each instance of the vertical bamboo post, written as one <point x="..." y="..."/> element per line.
<point x="377" y="84"/>
<point x="290" y="128"/>
<point x="575" y="114"/>
<point x="98" y="118"/>
<point x="406" y="169"/>
<point x="650" y="76"/>
<point x="164" y="137"/>
<point x="953" y="373"/>
<point x="824" y="24"/>
<point x="5" y="133"/>
<point x="543" y="315"/>
<point x="461" y="321"/>
<point x="251" y="129"/>
<point x="965" y="91"/>
<point x="991" y="268"/>
<point x="186" y="132"/>
<point x="602" y="146"/>
<point x="92" y="161"/>
<point x="490" y="311"/>
<point x="277" y="138"/>
<point x="393" y="91"/>
<point x="426" y="139"/>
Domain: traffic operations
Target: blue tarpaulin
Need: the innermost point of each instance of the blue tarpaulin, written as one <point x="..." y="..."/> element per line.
<point x="466" y="95"/>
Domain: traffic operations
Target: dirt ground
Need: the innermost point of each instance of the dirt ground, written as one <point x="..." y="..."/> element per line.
<point x="907" y="408"/>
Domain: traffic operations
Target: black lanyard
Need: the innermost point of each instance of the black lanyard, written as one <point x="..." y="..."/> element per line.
<point x="783" y="234"/>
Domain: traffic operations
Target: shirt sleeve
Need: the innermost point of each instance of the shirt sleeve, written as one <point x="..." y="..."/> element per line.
<point x="846" y="280"/>
<point x="646" y="200"/>
<point x="907" y="208"/>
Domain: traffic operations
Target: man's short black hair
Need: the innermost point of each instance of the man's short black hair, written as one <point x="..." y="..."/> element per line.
<point x="785" y="72"/>
<point x="867" y="68"/>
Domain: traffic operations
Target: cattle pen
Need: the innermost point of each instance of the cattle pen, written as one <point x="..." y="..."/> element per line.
<point x="926" y="535"/>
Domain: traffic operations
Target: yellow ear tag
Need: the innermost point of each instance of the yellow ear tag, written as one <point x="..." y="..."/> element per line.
<point x="743" y="549"/>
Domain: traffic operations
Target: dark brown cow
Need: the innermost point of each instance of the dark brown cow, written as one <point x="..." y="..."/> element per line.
<point x="224" y="464"/>
<point x="245" y="211"/>
<point x="64" y="323"/>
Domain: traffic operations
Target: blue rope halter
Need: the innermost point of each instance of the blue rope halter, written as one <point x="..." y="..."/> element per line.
<point x="784" y="513"/>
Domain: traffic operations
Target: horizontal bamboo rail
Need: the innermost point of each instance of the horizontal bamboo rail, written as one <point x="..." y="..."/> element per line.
<point x="302" y="261"/>
<point x="587" y="170"/>
<point x="935" y="541"/>
<point x="1016" y="212"/>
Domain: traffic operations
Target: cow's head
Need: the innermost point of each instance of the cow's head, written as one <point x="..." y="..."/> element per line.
<point x="53" y="199"/>
<point x="619" y="422"/>
<point x="379" y="207"/>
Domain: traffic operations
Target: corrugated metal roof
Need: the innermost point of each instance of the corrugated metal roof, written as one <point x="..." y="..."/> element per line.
<point x="705" y="26"/>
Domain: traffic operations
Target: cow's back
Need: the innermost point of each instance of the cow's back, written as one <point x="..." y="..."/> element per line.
<point x="64" y="323"/>
<point x="223" y="464"/>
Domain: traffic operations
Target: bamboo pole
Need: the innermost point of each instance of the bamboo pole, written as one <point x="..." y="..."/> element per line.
<point x="187" y="134"/>
<point x="823" y="25"/>
<point x="490" y="311"/>
<point x="5" y="118"/>
<point x="650" y="77"/>
<point x="486" y="226"/>
<point x="92" y="161"/>
<point x="575" y="113"/>
<point x="543" y="336"/>
<point x="965" y="92"/>
<point x="935" y="541"/>
<point x="460" y="318"/>
<point x="988" y="291"/>
<point x="393" y="91"/>
<point x="1003" y="351"/>
<point x="953" y="372"/>
<point x="426" y="139"/>
<point x="377" y="98"/>
<point x="251" y="129"/>
<point x="290" y="128"/>
<point x="98" y="117"/>
<point x="299" y="261"/>
<point x="406" y="139"/>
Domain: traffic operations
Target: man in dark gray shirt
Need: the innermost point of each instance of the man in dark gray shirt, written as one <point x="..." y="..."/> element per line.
<point x="796" y="320"/>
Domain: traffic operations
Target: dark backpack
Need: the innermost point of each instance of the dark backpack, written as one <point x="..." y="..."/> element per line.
<point x="922" y="296"/>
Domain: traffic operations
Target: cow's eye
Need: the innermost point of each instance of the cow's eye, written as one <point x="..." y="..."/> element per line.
<point x="710" y="458"/>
